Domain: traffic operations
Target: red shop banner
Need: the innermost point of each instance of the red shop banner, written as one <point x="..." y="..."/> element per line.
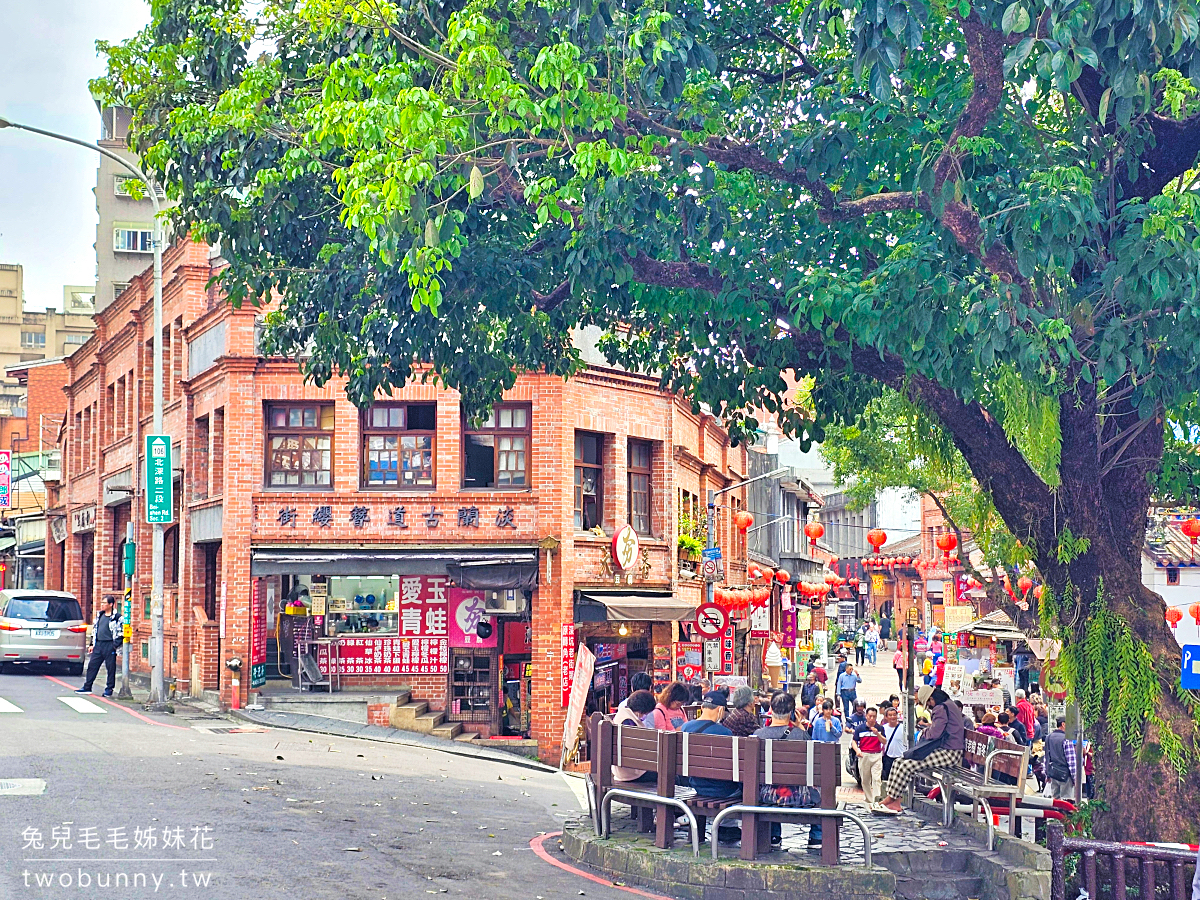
<point x="387" y="656"/>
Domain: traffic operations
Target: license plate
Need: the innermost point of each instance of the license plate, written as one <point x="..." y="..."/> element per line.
<point x="44" y="633"/>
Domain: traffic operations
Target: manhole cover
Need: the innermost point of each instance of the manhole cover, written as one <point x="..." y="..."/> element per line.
<point x="21" y="787"/>
<point x="235" y="729"/>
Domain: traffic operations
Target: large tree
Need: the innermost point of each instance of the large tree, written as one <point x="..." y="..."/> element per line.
<point x="987" y="207"/>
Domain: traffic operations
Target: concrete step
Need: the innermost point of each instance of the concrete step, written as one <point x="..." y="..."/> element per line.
<point x="939" y="886"/>
<point x="427" y="722"/>
<point x="405" y="715"/>
<point x="918" y="862"/>
<point x="449" y="730"/>
<point x="467" y="736"/>
<point x="403" y="698"/>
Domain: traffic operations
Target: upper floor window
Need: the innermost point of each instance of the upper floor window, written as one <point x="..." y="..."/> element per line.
<point x="300" y="445"/>
<point x="398" y="441"/>
<point x="588" y="480"/>
<point x="33" y="339"/>
<point x="640" y="455"/>
<point x="123" y="183"/>
<point x="127" y="239"/>
<point x="72" y="338"/>
<point x="496" y="454"/>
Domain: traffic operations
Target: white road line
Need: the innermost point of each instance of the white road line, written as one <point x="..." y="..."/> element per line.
<point x="81" y="705"/>
<point x="7" y="707"/>
<point x="578" y="787"/>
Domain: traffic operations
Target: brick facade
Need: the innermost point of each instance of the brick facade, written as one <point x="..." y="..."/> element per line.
<point x="215" y="409"/>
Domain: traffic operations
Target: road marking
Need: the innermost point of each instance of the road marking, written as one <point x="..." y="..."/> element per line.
<point x="7" y="707"/>
<point x="21" y="787"/>
<point x="578" y="787"/>
<point x="83" y="706"/>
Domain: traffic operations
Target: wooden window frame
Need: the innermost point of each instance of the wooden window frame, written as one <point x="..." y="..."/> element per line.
<point x="495" y="431"/>
<point x="598" y="468"/>
<point x="367" y="431"/>
<point x="639" y="472"/>
<point x="270" y="432"/>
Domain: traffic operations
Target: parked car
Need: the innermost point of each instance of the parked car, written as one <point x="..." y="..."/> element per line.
<point x="42" y="628"/>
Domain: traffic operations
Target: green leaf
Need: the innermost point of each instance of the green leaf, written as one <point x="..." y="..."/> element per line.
<point x="1018" y="54"/>
<point x="432" y="237"/>
<point x="476" y="184"/>
<point x="1015" y="20"/>
<point x="1105" y="99"/>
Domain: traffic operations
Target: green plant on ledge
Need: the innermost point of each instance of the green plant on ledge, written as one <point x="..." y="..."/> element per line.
<point x="689" y="547"/>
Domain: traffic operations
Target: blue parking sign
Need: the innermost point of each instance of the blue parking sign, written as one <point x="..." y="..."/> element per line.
<point x="1189" y="676"/>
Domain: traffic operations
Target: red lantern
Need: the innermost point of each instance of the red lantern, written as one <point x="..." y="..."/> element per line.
<point x="876" y="537"/>
<point x="1037" y="592"/>
<point x="1173" y="616"/>
<point x="814" y="531"/>
<point x="782" y="576"/>
<point x="754" y="571"/>
<point x="743" y="520"/>
<point x="1194" y="612"/>
<point x="833" y="563"/>
<point x="854" y="581"/>
<point x="1024" y="584"/>
<point x="946" y="542"/>
<point x="768" y="575"/>
<point x="1191" y="528"/>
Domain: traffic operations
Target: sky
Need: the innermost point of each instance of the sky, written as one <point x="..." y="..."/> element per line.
<point x="47" y="205"/>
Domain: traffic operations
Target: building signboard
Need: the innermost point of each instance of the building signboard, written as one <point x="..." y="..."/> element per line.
<point x="159" y="488"/>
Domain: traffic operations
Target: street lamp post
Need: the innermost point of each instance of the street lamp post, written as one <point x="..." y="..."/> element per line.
<point x="157" y="686"/>
<point x="711" y="522"/>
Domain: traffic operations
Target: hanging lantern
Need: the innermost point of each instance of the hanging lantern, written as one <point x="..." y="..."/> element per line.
<point x="1037" y="592"/>
<point x="742" y="520"/>
<point x="768" y="575"/>
<point x="876" y="537"/>
<point x="854" y="581"/>
<point x="814" y="531"/>
<point x="753" y="571"/>
<point x="1024" y="584"/>
<point x="782" y="576"/>
<point x="833" y="563"/>
<point x="1191" y="528"/>
<point x="1194" y="612"/>
<point x="946" y="542"/>
<point x="1173" y="616"/>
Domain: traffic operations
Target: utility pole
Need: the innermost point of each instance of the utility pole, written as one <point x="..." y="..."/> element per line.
<point x="128" y="562"/>
<point x="157" y="683"/>
<point x="910" y="705"/>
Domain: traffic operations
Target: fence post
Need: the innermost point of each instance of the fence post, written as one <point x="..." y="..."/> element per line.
<point x="1058" y="872"/>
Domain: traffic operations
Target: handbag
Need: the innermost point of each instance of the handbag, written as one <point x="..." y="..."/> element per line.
<point x="925" y="748"/>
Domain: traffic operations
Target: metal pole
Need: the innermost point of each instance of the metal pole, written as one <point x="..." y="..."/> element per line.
<point x="710" y="540"/>
<point x="126" y="619"/>
<point x="910" y="714"/>
<point x="157" y="689"/>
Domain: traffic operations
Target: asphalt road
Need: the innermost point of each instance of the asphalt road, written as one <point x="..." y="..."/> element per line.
<point x="257" y="816"/>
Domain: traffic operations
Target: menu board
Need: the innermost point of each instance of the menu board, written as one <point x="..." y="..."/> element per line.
<point x="387" y="656"/>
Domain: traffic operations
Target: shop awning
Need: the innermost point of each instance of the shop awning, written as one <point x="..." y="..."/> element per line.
<point x="995" y="625"/>
<point x="634" y="607"/>
<point x="7" y="543"/>
<point x="32" y="548"/>
<point x="469" y="568"/>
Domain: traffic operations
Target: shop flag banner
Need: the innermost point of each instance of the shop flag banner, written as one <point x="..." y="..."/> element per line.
<point x="159" y="489"/>
<point x="581" y="683"/>
<point x="386" y="656"/>
<point x="787" y="621"/>
<point x="466" y="611"/>
<point x="258" y="636"/>
<point x="760" y="621"/>
<point x="803" y="619"/>
<point x="6" y="479"/>
<point x="952" y="679"/>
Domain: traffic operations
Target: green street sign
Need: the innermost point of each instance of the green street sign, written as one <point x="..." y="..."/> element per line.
<point x="159" y="492"/>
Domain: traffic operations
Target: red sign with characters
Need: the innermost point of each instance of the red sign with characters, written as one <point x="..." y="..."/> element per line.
<point x="568" y="660"/>
<point x="387" y="656"/>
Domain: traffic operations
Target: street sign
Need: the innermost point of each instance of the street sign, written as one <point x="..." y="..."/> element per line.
<point x="710" y="620"/>
<point x="712" y="656"/>
<point x="710" y="553"/>
<point x="5" y="479"/>
<point x="159" y="489"/>
<point x="1189" y="677"/>
<point x="711" y="570"/>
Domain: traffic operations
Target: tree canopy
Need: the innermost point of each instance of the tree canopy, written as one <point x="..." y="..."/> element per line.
<point x="987" y="207"/>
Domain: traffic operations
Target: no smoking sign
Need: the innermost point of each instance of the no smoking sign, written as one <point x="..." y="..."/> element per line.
<point x="710" y="620"/>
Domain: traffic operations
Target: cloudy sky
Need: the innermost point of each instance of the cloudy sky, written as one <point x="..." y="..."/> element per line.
<point x="47" y="208"/>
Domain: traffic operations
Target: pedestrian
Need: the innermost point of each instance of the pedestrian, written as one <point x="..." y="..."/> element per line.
<point x="941" y="746"/>
<point x="827" y="727"/>
<point x="927" y="667"/>
<point x="741" y="720"/>
<point x="783" y="728"/>
<point x="900" y="664"/>
<point x="1026" y="714"/>
<point x="867" y="741"/>
<point x="668" y="713"/>
<point x="106" y="639"/>
<point x="895" y="739"/>
<point x="939" y="671"/>
<point x="810" y="691"/>
<point x="847" y="688"/>
<point x="819" y="673"/>
<point x="1020" y="735"/>
<point x="638" y="704"/>
<point x="841" y="666"/>
<point x="987" y="725"/>
<point x="872" y="643"/>
<point x="885" y="629"/>
<point x="860" y="644"/>
<point x="857" y="717"/>
<point x="708" y="721"/>
<point x="1061" y="763"/>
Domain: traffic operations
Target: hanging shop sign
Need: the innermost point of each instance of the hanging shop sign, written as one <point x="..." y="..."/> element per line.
<point x="83" y="520"/>
<point x="787" y="621"/>
<point x="258" y="635"/>
<point x="689" y="660"/>
<point x="760" y="621"/>
<point x="626" y="548"/>
<point x="466" y="610"/>
<point x="567" y="659"/>
<point x="5" y="479"/>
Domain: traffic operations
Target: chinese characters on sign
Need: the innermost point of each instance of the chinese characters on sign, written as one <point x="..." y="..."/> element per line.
<point x="387" y="656"/>
<point x="468" y="516"/>
<point x="258" y="636"/>
<point x="568" y="660"/>
<point x="5" y="479"/>
<point x="323" y="516"/>
<point x="159" y="489"/>
<point x="359" y="516"/>
<point x="287" y="516"/>
<point x="397" y="517"/>
<point x="467" y="609"/>
<point x="625" y="548"/>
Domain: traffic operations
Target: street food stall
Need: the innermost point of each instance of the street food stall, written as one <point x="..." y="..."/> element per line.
<point x="993" y="647"/>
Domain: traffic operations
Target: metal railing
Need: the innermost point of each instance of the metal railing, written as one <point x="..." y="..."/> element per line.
<point x="647" y="799"/>
<point x="795" y="811"/>
<point x="1119" y="856"/>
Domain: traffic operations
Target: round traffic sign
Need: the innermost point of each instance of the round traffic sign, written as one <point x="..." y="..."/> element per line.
<point x="710" y="620"/>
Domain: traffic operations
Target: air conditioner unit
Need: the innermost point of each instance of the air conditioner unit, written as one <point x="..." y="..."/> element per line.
<point x="498" y="602"/>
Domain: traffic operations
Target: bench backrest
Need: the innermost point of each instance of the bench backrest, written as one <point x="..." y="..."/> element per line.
<point x="979" y="745"/>
<point x="976" y="749"/>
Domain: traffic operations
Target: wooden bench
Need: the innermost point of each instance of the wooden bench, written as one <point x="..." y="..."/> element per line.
<point x="750" y="762"/>
<point x="984" y="757"/>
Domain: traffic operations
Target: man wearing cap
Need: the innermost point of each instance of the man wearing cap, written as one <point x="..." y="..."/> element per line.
<point x="708" y="721"/>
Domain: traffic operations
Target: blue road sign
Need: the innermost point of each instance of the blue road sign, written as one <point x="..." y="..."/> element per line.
<point x="1189" y="677"/>
<point x="710" y="553"/>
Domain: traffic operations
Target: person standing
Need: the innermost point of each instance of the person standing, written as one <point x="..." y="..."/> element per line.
<point x="900" y="664"/>
<point x="860" y="644"/>
<point x="1061" y="762"/>
<point x="867" y="741"/>
<point x="895" y="739"/>
<point x="106" y="638"/>
<point x="1026" y="714"/>
<point x="810" y="691"/>
<point x="847" y="687"/>
<point x="873" y="643"/>
<point x="827" y="727"/>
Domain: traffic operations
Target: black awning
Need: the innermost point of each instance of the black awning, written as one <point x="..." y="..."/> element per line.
<point x="633" y="606"/>
<point x="518" y="565"/>
<point x="32" y="548"/>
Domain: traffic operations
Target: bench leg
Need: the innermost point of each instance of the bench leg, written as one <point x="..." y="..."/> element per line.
<point x="701" y="825"/>
<point x="749" y="836"/>
<point x="664" y="837"/>
<point x="830" y="840"/>
<point x="645" y="815"/>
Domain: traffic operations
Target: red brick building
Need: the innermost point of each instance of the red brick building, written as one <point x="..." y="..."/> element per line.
<point x="404" y="523"/>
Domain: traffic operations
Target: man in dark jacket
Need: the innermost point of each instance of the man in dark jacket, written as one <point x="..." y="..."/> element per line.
<point x="106" y="639"/>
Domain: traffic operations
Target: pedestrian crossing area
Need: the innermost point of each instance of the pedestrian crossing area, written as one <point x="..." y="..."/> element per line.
<point x="7" y="706"/>
<point x="83" y="705"/>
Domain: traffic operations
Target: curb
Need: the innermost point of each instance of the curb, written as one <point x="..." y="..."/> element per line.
<point x="380" y="734"/>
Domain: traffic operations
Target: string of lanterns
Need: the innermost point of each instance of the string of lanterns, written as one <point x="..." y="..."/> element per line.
<point x="1174" y="614"/>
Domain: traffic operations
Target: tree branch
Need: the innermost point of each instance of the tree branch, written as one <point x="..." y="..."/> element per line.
<point x="683" y="275"/>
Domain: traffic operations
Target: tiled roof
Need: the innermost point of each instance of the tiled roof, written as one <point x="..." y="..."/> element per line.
<point x="1166" y="546"/>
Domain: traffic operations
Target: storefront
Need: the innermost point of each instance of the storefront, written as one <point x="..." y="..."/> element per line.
<point x="451" y="625"/>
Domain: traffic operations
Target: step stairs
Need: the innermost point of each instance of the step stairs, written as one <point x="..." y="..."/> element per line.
<point x="934" y="875"/>
<point x="415" y="715"/>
